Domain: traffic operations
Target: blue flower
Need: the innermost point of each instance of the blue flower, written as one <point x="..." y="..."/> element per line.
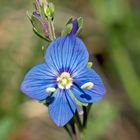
<point x="65" y="77"/>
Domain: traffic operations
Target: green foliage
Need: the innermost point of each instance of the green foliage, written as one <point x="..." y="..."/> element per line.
<point x="119" y="23"/>
<point x="101" y="117"/>
<point x="117" y="20"/>
<point x="67" y="29"/>
<point x="6" y="126"/>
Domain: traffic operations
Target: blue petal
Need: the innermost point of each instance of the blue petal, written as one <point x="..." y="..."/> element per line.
<point x="37" y="80"/>
<point x="85" y="95"/>
<point x="62" y="108"/>
<point x="67" y="54"/>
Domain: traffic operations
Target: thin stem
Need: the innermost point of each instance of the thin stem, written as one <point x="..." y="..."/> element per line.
<point x="85" y="116"/>
<point x="75" y="134"/>
<point x="68" y="130"/>
<point x="78" y="122"/>
<point x="51" y="30"/>
<point x="86" y="113"/>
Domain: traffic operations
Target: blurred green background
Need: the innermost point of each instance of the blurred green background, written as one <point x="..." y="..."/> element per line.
<point x="112" y="35"/>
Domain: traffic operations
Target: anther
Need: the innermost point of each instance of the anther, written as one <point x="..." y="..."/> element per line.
<point x="87" y="85"/>
<point x="50" y="89"/>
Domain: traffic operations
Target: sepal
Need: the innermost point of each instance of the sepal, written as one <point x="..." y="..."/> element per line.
<point x="80" y="25"/>
<point x="39" y="24"/>
<point x="67" y="30"/>
<point x="89" y="65"/>
<point x="73" y="26"/>
<point x="41" y="36"/>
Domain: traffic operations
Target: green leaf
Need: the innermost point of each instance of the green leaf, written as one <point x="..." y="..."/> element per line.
<point x="67" y="29"/>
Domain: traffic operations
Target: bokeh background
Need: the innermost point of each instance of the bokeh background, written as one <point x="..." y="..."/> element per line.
<point x="112" y="35"/>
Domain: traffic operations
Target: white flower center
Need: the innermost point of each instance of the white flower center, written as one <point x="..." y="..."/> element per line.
<point x="65" y="80"/>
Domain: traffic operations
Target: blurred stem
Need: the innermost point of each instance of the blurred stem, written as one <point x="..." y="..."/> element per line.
<point x="51" y="29"/>
<point x="78" y="122"/>
<point x="125" y="69"/>
<point x="68" y="130"/>
<point x="89" y="107"/>
<point x="85" y="116"/>
<point x="86" y="113"/>
<point x="75" y="133"/>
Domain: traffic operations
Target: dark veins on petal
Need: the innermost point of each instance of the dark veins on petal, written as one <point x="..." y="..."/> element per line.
<point x="84" y="95"/>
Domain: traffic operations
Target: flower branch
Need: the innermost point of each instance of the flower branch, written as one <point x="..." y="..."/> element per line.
<point x="65" y="82"/>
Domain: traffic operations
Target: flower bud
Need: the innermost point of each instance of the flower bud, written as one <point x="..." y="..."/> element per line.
<point x="73" y="27"/>
<point x="49" y="10"/>
<point x="90" y="64"/>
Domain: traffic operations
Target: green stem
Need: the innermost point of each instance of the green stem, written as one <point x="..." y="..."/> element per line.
<point x="86" y="113"/>
<point x="84" y="116"/>
<point x="75" y="134"/>
<point x="125" y="68"/>
<point x="78" y="122"/>
<point x="51" y="29"/>
<point x="68" y="130"/>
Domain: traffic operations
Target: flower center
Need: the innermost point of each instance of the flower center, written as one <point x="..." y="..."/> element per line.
<point x="64" y="80"/>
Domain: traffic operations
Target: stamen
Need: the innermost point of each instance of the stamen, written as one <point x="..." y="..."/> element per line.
<point x="64" y="80"/>
<point x="50" y="89"/>
<point x="87" y="85"/>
